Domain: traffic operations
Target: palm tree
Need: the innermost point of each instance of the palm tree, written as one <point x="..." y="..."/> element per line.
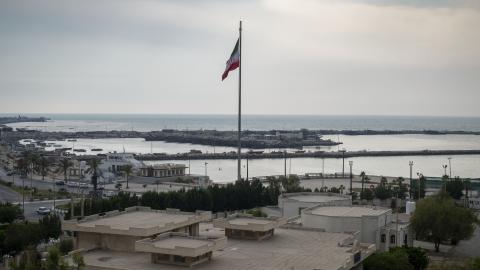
<point x="65" y="164"/>
<point x="43" y="164"/>
<point x="127" y="169"/>
<point x="93" y="169"/>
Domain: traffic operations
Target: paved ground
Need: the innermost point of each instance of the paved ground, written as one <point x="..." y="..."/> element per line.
<point x="9" y="195"/>
<point x="31" y="207"/>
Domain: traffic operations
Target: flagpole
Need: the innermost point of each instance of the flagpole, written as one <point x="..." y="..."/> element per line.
<point x="239" y="165"/>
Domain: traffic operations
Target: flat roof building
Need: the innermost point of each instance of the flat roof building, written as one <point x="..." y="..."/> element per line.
<point x="288" y="249"/>
<point x="163" y="170"/>
<point x="248" y="227"/>
<point x="117" y="230"/>
<point x="180" y="248"/>
<point x="372" y="223"/>
<point x="293" y="203"/>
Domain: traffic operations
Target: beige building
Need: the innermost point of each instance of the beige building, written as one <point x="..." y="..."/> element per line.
<point x="291" y="204"/>
<point x="120" y="230"/>
<point x="180" y="248"/>
<point x="163" y="170"/>
<point x="372" y="224"/>
<point x="248" y="227"/>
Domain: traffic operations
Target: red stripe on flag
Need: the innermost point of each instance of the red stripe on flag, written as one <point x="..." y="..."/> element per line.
<point x="230" y="66"/>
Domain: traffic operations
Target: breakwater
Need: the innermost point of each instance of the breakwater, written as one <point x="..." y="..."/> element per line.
<point x="318" y="154"/>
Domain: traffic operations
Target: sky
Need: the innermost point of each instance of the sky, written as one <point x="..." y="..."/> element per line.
<point x="320" y="57"/>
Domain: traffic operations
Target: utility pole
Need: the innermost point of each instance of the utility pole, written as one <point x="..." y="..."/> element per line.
<point x="206" y="163"/>
<point x="343" y="162"/>
<point x="450" y="166"/>
<point x="247" y="167"/>
<point x="285" y="164"/>
<point x="351" y="175"/>
<point x="410" y="163"/>
<point x="323" y="172"/>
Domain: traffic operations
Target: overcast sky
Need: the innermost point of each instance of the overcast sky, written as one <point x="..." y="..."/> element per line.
<point x="388" y="57"/>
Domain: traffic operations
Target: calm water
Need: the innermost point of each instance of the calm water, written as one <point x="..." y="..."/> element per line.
<point x="142" y="122"/>
<point x="225" y="170"/>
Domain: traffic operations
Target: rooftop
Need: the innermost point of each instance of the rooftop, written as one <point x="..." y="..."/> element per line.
<point x="346" y="211"/>
<point x="180" y="244"/>
<point x="287" y="249"/>
<point x="249" y="223"/>
<point x="136" y="221"/>
<point x="315" y="197"/>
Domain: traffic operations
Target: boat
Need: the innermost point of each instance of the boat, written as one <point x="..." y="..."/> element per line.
<point x="96" y="149"/>
<point x="57" y="145"/>
<point x="71" y="140"/>
<point x="79" y="150"/>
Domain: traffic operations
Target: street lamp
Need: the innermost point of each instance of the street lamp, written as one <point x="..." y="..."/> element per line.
<point x="351" y="164"/>
<point x="450" y="166"/>
<point x="419" y="179"/>
<point x="410" y="163"/>
<point x="206" y="163"/>
<point x="444" y="169"/>
<point x="343" y="162"/>
<point x="285" y="164"/>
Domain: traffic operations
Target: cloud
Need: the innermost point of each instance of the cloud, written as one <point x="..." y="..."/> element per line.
<point x="374" y="57"/>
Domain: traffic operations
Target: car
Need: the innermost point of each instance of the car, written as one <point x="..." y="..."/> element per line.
<point x="59" y="182"/>
<point x="72" y="184"/>
<point x="42" y="210"/>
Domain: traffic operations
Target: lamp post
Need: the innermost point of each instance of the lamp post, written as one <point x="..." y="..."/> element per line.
<point x="444" y="169"/>
<point x="410" y="163"/>
<point x="351" y="175"/>
<point x="450" y="166"/>
<point x="343" y="162"/>
<point x="419" y="179"/>
<point x="247" y="167"/>
<point x="285" y="164"/>
<point x="206" y="163"/>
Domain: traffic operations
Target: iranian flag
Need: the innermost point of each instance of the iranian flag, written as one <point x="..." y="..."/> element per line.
<point x="233" y="62"/>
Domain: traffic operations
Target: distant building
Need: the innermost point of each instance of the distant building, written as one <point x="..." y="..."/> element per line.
<point x="373" y="224"/>
<point x="115" y="161"/>
<point x="241" y="226"/>
<point x="293" y="203"/>
<point x="163" y="170"/>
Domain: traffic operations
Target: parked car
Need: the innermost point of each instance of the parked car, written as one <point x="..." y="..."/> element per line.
<point x="42" y="210"/>
<point x="59" y="182"/>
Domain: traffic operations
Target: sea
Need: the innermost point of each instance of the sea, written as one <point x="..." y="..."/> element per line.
<point x="225" y="170"/>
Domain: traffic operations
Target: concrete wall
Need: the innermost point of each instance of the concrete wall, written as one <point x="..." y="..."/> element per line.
<point x="368" y="226"/>
<point x="86" y="240"/>
<point x="291" y="208"/>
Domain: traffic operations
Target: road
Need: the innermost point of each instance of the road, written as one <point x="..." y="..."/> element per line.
<point x="31" y="207"/>
<point x="9" y="195"/>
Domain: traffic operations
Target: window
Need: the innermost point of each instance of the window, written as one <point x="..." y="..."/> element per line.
<point x="383" y="238"/>
<point x="392" y="239"/>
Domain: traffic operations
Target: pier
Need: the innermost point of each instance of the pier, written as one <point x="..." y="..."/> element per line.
<point x="317" y="154"/>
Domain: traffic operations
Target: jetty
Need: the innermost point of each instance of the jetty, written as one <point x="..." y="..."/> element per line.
<point x="316" y="154"/>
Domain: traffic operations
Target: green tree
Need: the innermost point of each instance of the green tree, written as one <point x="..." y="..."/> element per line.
<point x="454" y="188"/>
<point x="65" y="164"/>
<point x="438" y="219"/>
<point x="93" y="165"/>
<point x="127" y="170"/>
<point x="366" y="194"/>
<point x="78" y="261"/>
<point x="51" y="226"/>
<point x="414" y="187"/>
<point x="9" y="212"/>
<point x="383" y="192"/>
<point x="416" y="256"/>
<point x="55" y="261"/>
<point x="392" y="260"/>
<point x="291" y="183"/>
<point x="43" y="164"/>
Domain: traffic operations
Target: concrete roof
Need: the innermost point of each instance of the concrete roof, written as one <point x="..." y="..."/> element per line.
<point x="287" y="249"/>
<point x="136" y="221"/>
<point x="314" y="197"/>
<point x="346" y="211"/>
<point x="180" y="244"/>
<point x="249" y="223"/>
